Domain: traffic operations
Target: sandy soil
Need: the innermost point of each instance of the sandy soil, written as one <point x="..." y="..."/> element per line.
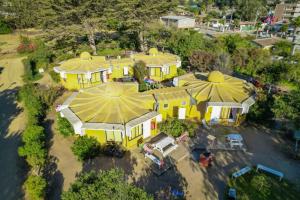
<point x="64" y="166"/>
<point x="12" y="122"/>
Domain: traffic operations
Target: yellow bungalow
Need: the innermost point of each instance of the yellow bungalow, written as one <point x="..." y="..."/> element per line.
<point x="113" y="112"/>
<point x="219" y="98"/>
<point x="87" y="71"/>
<point x="117" y="112"/>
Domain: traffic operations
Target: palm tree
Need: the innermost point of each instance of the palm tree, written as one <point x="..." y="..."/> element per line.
<point x="296" y="24"/>
<point x="258" y="26"/>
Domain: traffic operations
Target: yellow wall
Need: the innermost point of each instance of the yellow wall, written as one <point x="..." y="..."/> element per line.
<point x="98" y="134"/>
<point x="118" y="71"/>
<point x="173" y="107"/>
<point x="156" y="73"/>
<point x="70" y="82"/>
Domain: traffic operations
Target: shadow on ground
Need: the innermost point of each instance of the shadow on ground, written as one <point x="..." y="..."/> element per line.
<point x="13" y="168"/>
<point x="160" y="186"/>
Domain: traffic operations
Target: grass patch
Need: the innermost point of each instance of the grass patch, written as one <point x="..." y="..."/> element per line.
<point x="288" y="85"/>
<point x="261" y="186"/>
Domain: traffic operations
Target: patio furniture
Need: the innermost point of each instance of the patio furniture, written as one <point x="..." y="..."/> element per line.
<point x="165" y="145"/>
<point x="235" y="140"/>
<point x="270" y="170"/>
<point x="241" y="172"/>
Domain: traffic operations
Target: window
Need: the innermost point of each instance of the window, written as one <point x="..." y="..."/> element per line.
<point x="167" y="70"/>
<point x="166" y="106"/>
<point x="113" y="136"/>
<point x="136" y="131"/>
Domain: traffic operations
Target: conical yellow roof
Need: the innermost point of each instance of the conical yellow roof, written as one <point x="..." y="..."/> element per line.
<point x="114" y="103"/>
<point x="220" y="88"/>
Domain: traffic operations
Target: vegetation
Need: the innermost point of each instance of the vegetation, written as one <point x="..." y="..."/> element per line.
<point x="86" y="147"/>
<point x="104" y="185"/>
<point x="64" y="127"/>
<point x="36" y="100"/>
<point x="35" y="187"/>
<point x="140" y="71"/>
<point x="176" y="127"/>
<point x="4" y="27"/>
<point x="261" y="186"/>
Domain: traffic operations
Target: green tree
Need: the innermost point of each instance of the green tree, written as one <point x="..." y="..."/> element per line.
<point x="104" y="185"/>
<point x="250" y="10"/>
<point x="85" y="147"/>
<point x="35" y="187"/>
<point x="184" y="43"/>
<point x="282" y="48"/>
<point x="64" y="126"/>
<point x="140" y="71"/>
<point x="287" y="107"/>
<point x="296" y="25"/>
<point x="283" y="29"/>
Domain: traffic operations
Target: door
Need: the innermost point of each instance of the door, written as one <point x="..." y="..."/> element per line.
<point x="181" y="113"/>
<point x="215" y="114"/>
<point x="104" y="77"/>
<point x="147" y="129"/>
<point x="125" y="71"/>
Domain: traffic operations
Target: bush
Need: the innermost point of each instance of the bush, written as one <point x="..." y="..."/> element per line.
<point x="140" y="71"/>
<point x="26" y="45"/>
<point x="143" y="87"/>
<point x="86" y="147"/>
<point x="55" y="76"/>
<point x="4" y="28"/>
<point x="64" y="126"/>
<point x="180" y="72"/>
<point x="35" y="187"/>
<point x="176" y="127"/>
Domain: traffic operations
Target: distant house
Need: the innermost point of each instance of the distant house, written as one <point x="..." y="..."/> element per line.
<point x="247" y="26"/>
<point x="266" y="43"/>
<point x="287" y="11"/>
<point x="178" y="21"/>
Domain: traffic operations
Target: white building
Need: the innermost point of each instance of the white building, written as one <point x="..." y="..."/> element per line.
<point x="178" y="21"/>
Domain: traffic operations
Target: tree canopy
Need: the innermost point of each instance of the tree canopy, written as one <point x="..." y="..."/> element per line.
<point x="104" y="185"/>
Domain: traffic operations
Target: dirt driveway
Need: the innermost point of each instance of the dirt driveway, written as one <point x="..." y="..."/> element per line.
<point x="12" y="122"/>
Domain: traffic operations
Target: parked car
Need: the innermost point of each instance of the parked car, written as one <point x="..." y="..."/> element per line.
<point x="113" y="150"/>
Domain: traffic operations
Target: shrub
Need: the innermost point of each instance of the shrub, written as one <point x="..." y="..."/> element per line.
<point x="26" y="45"/>
<point x="35" y="187"/>
<point x="86" y="147"/>
<point x="4" y="28"/>
<point x="176" y="127"/>
<point x="55" y="76"/>
<point x="64" y="126"/>
<point x="261" y="184"/>
<point x="143" y="87"/>
<point x="180" y="72"/>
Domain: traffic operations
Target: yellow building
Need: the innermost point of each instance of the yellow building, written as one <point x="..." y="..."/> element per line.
<point x="218" y="98"/>
<point x="117" y="112"/>
<point x="87" y="71"/>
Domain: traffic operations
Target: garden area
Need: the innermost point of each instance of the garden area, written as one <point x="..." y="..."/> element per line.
<point x="261" y="186"/>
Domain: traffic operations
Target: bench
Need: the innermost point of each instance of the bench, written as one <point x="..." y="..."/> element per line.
<point x="270" y="170"/>
<point x="241" y="172"/>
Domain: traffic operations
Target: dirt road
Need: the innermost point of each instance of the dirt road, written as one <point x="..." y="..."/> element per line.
<point x="12" y="122"/>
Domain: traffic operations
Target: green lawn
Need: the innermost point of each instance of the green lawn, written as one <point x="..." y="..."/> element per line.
<point x="261" y="186"/>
